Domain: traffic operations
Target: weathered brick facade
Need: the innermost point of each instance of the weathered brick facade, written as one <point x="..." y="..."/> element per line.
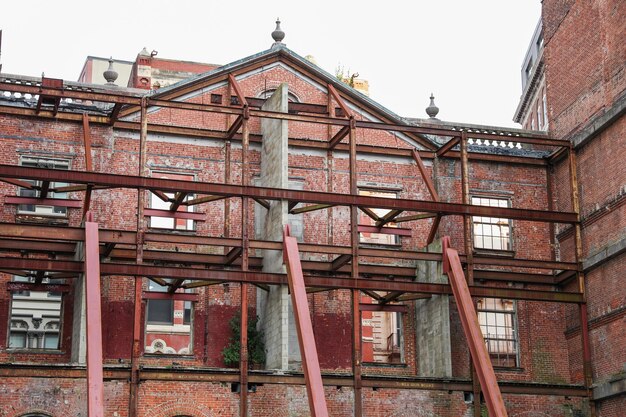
<point x="547" y="376"/>
<point x="585" y="58"/>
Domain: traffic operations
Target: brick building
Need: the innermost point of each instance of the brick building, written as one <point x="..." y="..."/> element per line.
<point x="136" y="225"/>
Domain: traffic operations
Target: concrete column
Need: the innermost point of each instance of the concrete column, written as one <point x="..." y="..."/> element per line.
<point x="274" y="310"/>
<point x="79" y="322"/>
<point x="433" y="322"/>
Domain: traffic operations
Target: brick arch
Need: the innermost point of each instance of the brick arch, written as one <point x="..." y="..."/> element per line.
<point x="273" y="85"/>
<point x="178" y="407"/>
<point x="34" y="412"/>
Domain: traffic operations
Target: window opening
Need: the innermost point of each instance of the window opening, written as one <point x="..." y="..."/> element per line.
<point x="491" y="233"/>
<point x="38" y="209"/>
<point x="156" y="203"/>
<point x="372" y="237"/>
<point x="497" y="319"/>
<point x="382" y="336"/>
<point x="168" y="324"/>
<point x="35" y="317"/>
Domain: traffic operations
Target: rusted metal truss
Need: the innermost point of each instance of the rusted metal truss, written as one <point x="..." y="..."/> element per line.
<point x="115" y="253"/>
<point x="234" y="190"/>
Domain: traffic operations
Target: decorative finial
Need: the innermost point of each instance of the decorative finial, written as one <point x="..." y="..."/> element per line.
<point x="144" y="52"/>
<point x="278" y="35"/>
<point x="110" y="74"/>
<point x="432" y="109"/>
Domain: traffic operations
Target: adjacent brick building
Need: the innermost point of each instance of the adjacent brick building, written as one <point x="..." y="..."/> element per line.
<point x="187" y="186"/>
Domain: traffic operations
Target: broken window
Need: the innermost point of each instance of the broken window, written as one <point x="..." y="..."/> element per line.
<point x="493" y="233"/>
<point x="369" y="217"/>
<point x="39" y="209"/>
<point x="158" y="203"/>
<point x="497" y="323"/>
<point x="35" y="319"/>
<point x="168" y="324"/>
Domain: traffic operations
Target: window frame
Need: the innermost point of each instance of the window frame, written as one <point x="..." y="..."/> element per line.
<point x="513" y="338"/>
<point x="510" y="250"/>
<point x="40" y="330"/>
<point x="394" y="241"/>
<point x="395" y="324"/>
<point x="43" y="210"/>
<point x="190" y="224"/>
<point x="158" y="327"/>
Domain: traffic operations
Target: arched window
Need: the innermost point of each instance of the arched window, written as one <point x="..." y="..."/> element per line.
<point x="268" y="93"/>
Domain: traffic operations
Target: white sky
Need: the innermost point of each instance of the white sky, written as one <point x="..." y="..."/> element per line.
<point x="467" y="52"/>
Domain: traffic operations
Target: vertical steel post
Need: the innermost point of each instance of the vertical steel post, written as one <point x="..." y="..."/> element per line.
<point x="304" y="326"/>
<point x="243" y="354"/>
<point x="468" y="248"/>
<point x="578" y="256"/>
<point x="356" y="296"/>
<point x="95" y="384"/>
<point x="136" y="348"/>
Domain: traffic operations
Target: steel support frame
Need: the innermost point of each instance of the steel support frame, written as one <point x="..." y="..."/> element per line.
<point x="142" y="182"/>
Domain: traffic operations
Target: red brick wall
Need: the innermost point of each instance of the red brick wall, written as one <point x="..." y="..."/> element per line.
<point x="585" y="75"/>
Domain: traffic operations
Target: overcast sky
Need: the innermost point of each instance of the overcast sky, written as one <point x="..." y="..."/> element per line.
<point x="467" y="52"/>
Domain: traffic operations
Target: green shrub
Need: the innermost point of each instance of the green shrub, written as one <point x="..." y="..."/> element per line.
<point x="256" y="345"/>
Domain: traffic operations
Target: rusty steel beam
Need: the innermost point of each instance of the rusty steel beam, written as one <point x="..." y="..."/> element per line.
<point x="304" y="327"/>
<point x="95" y="384"/>
<point x="178" y="200"/>
<point x="422" y="169"/>
<point x="448" y="146"/>
<point x="392" y="308"/>
<point x="162" y="196"/>
<point x="228" y="376"/>
<point x="32" y="232"/>
<point x="128" y="181"/>
<point x="234" y="127"/>
<point x="115" y="112"/>
<point x="333" y="92"/>
<point x="415" y="217"/>
<point x="43" y="190"/>
<point x="238" y="91"/>
<point x="340" y="261"/>
<point x="254" y="277"/>
<point x="36" y="246"/>
<point x="19" y="183"/>
<point x="178" y="296"/>
<point x="342" y="133"/>
<point x="309" y="208"/>
<point x="388" y="218"/>
<point x="433" y="230"/>
<point x="264" y="203"/>
<point x="398" y="231"/>
<point x="232" y="255"/>
<point x="59" y="202"/>
<point x="87" y="142"/>
<point x="475" y="341"/>
<point x="31" y="286"/>
<point x="199" y="217"/>
<point x="205" y="199"/>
